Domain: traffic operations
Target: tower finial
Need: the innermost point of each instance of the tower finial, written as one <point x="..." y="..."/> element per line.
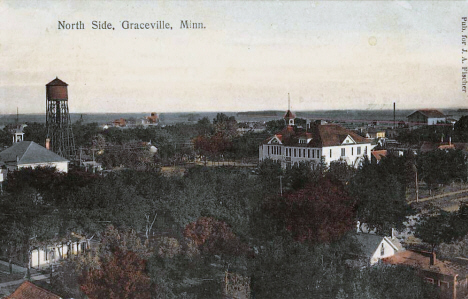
<point x="289" y="102"/>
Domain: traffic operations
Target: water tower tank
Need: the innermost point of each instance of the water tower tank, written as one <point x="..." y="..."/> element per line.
<point x="57" y="90"/>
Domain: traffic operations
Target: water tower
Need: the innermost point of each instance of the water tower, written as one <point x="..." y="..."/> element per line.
<point x="59" y="130"/>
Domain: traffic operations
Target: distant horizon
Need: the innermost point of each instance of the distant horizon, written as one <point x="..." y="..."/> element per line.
<point x="246" y="111"/>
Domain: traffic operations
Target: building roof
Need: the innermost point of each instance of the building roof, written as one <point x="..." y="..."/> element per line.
<point x="289" y="114"/>
<point x="28" y="290"/>
<point x="422" y="261"/>
<point x="332" y="135"/>
<point x="318" y="136"/>
<point x="56" y="82"/>
<point x="369" y="243"/>
<point x="430" y="113"/>
<point x="29" y="152"/>
<point x="379" y="154"/>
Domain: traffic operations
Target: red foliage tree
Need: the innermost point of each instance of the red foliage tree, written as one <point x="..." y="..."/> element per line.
<point x="214" y="236"/>
<point x="123" y="276"/>
<point x="322" y="211"/>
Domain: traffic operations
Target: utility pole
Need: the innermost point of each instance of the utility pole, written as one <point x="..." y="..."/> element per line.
<point x="281" y="185"/>
<point x="415" y="169"/>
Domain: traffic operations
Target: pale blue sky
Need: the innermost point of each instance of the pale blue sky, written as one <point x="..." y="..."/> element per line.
<point x="328" y="55"/>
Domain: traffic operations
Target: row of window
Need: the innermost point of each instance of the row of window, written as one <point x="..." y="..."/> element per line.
<point x="358" y="151"/>
<point x="294" y="152"/>
<point x="275" y="150"/>
<point x="309" y="153"/>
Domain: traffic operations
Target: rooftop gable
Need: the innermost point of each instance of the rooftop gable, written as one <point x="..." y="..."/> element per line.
<point x="28" y="290"/>
<point x="56" y="82"/>
<point x="429" y="113"/>
<point x="369" y="243"/>
<point x="29" y="152"/>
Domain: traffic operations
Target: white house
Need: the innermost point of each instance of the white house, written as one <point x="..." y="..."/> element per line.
<point x="329" y="142"/>
<point x="45" y="255"/>
<point x="372" y="248"/>
<point x="426" y="117"/>
<point x="30" y="154"/>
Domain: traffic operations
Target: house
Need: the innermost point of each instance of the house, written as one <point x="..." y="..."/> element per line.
<point x="30" y="154"/>
<point x="316" y="143"/>
<point x="425" y="117"/>
<point x="153" y="119"/>
<point x="44" y="255"/>
<point x="121" y="122"/>
<point x="374" y="133"/>
<point x="372" y="248"/>
<point x="450" y="277"/>
<point x="28" y="290"/>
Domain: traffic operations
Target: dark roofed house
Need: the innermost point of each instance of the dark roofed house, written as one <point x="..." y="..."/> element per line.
<point x="426" y="117"/>
<point x="30" y="154"/>
<point x="28" y="290"/>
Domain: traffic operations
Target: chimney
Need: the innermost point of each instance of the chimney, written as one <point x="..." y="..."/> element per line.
<point x="432" y="258"/>
<point x="450" y="140"/>
<point x="47" y="143"/>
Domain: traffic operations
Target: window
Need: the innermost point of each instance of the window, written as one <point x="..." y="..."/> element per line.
<point x="268" y="149"/>
<point x="299" y="152"/>
<point x="343" y="152"/>
<point x="295" y="153"/>
<point x="365" y="150"/>
<point x="382" y="250"/>
<point x="303" y="152"/>
<point x="330" y="153"/>
<point x="352" y="151"/>
<point x="358" y="150"/>
<point x="313" y="153"/>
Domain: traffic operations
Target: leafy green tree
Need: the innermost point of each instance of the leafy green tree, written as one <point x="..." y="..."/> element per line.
<point x="380" y="198"/>
<point x="35" y="132"/>
<point x="274" y="126"/>
<point x="461" y="129"/>
<point x="435" y="229"/>
<point x="442" y="167"/>
<point x="297" y="176"/>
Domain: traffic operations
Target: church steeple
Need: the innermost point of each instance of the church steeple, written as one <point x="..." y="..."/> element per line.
<point x="289" y="116"/>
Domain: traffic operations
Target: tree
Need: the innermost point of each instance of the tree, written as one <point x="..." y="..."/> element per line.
<point x="122" y="276"/>
<point x="320" y="212"/>
<point x="435" y="229"/>
<point x="439" y="226"/>
<point x="297" y="176"/>
<point x="35" y="132"/>
<point x="214" y="237"/>
<point x="380" y="198"/>
<point x="461" y="129"/>
<point x="341" y="171"/>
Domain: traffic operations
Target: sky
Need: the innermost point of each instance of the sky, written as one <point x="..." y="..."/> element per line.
<point x="251" y="54"/>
